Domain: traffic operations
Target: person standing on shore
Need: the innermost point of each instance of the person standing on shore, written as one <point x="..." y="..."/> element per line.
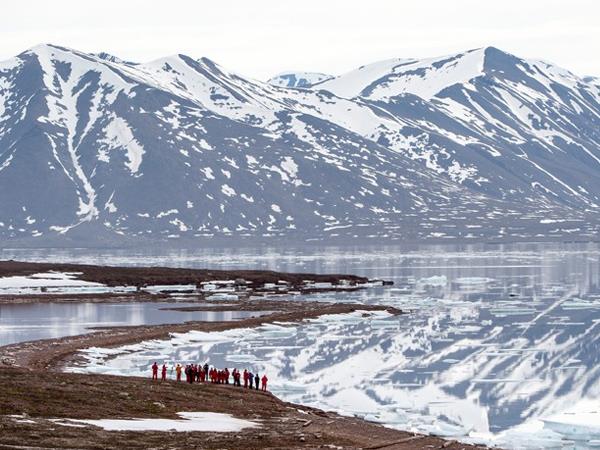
<point x="155" y="371"/>
<point x="164" y="373"/>
<point x="264" y="382"/>
<point x="256" y="381"/>
<point x="178" y="372"/>
<point x="246" y="378"/>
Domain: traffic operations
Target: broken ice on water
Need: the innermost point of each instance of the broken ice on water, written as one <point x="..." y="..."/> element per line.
<point x="498" y="345"/>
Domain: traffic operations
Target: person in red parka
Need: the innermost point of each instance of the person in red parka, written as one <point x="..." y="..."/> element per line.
<point x="155" y="371"/>
<point x="264" y="382"/>
<point x="164" y="373"/>
<point x="245" y="378"/>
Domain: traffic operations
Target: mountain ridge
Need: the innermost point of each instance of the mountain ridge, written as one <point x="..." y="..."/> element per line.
<point x="182" y="148"/>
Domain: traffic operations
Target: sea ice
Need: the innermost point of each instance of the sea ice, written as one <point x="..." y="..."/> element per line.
<point x="581" y="422"/>
<point x="222" y="296"/>
<point x="170" y="287"/>
<point x="434" y="281"/>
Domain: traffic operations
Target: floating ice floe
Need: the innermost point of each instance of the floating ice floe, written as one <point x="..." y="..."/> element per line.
<point x="223" y="285"/>
<point x="222" y="296"/>
<point x="469" y="281"/>
<point x="434" y="281"/>
<point x="576" y="303"/>
<point x="580" y="423"/>
<point x="170" y="287"/>
<point x="575" y="431"/>
<point x="190" y="421"/>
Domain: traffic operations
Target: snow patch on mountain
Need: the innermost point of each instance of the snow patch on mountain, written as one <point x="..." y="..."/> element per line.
<point x="427" y="149"/>
<point x="111" y="58"/>
<point x="298" y="79"/>
<point x="424" y="78"/>
<point x="120" y="136"/>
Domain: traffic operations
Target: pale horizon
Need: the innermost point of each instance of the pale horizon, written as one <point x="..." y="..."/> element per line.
<point x="265" y="38"/>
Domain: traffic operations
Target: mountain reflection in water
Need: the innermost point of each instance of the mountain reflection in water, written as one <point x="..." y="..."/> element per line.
<point x="496" y="336"/>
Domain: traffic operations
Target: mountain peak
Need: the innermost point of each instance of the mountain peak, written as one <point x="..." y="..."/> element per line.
<point x="428" y="77"/>
<point x="491" y="51"/>
<point x="46" y="48"/>
<point x="422" y="77"/>
<point x="500" y="134"/>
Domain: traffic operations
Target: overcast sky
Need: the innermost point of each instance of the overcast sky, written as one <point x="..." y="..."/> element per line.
<point x="260" y="38"/>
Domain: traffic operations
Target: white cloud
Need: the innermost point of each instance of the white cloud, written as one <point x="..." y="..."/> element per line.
<point x="262" y="37"/>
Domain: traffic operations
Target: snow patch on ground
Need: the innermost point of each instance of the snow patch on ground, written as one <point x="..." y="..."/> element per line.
<point x="49" y="279"/>
<point x="190" y="421"/>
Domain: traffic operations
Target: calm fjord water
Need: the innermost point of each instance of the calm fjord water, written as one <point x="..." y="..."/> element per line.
<point x="497" y="337"/>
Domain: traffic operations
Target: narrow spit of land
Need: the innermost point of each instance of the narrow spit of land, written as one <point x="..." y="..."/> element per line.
<point x="33" y="390"/>
<point x="249" y="282"/>
<point x="52" y="354"/>
<point x="146" y="276"/>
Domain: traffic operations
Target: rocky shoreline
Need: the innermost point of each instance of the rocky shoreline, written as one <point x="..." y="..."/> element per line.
<point x="30" y="405"/>
<point x="34" y="391"/>
<point x="145" y="276"/>
<point x="111" y="284"/>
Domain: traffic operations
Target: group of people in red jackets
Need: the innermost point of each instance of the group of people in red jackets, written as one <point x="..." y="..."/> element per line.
<point x="202" y="374"/>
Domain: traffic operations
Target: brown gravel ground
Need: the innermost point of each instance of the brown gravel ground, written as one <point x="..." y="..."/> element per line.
<point x="146" y="276"/>
<point x="37" y="397"/>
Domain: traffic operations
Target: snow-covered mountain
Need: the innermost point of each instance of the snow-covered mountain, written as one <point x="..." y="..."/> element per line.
<point x="478" y="145"/>
<point x="298" y="79"/>
<point x="516" y="128"/>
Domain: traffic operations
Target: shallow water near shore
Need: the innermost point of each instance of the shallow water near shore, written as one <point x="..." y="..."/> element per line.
<point x="498" y="338"/>
<point x="28" y="322"/>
